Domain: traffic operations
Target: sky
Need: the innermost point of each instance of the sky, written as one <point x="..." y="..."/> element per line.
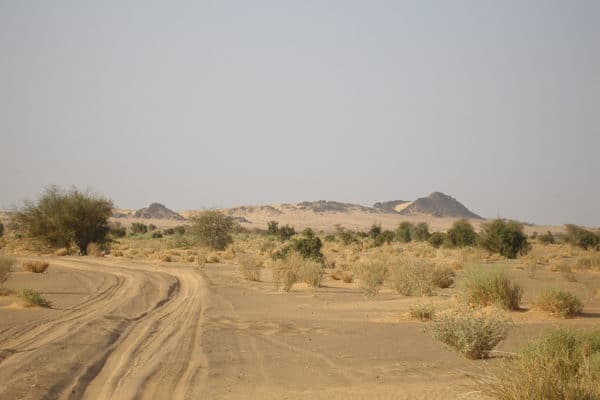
<point x="200" y="104"/>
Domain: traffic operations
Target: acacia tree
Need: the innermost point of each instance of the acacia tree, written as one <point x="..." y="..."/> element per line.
<point x="62" y="218"/>
<point x="213" y="229"/>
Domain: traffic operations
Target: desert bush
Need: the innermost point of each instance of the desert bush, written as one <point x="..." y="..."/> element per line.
<point x="346" y="236"/>
<point x="1" y="229"/>
<point x="6" y="264"/>
<point x="138" y="228"/>
<point x="32" y="298"/>
<point x="272" y="228"/>
<point x="420" y="232"/>
<point x="411" y="276"/>
<point x="423" y="312"/>
<point x="308" y="246"/>
<point x="562" y="364"/>
<point x="60" y="218"/>
<point x="251" y="267"/>
<point x="484" y="285"/>
<point x="286" y="271"/>
<point x="213" y="229"/>
<point x="61" y="252"/>
<point x="36" y="266"/>
<point x="504" y="237"/>
<point x="286" y="232"/>
<point x="118" y="232"/>
<point x="471" y="334"/>
<point x="179" y="230"/>
<point x="156" y="235"/>
<point x="559" y="303"/>
<point x="168" y="231"/>
<point x="437" y="239"/>
<point x="582" y="237"/>
<point x="94" y="249"/>
<point x="461" y="234"/>
<point x="546" y="238"/>
<point x="384" y="237"/>
<point x="371" y="274"/>
<point x="152" y="227"/>
<point x="312" y="273"/>
<point x="403" y="232"/>
<point x="442" y="277"/>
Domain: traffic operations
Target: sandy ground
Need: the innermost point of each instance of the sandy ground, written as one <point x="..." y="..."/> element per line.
<point x="121" y="329"/>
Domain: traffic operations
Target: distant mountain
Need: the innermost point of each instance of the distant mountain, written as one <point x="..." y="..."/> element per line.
<point x="157" y="211"/>
<point x="391" y="206"/>
<point x="438" y="204"/>
<point x="327" y="206"/>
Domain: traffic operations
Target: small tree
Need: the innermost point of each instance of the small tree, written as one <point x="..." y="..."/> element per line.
<point x="546" y="238"/>
<point x="504" y="237"/>
<point x="138" y="228"/>
<point x="461" y="234"/>
<point x="272" y="227"/>
<point x="581" y="237"/>
<point x="60" y="218"/>
<point x="403" y="232"/>
<point x="213" y="229"/>
<point x="375" y="231"/>
<point x="286" y="232"/>
<point x="420" y="232"/>
<point x="437" y="239"/>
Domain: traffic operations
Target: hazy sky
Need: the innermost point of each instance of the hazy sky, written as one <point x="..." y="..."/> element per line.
<point x="222" y="103"/>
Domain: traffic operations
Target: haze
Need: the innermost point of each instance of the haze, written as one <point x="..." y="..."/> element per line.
<point x="216" y="104"/>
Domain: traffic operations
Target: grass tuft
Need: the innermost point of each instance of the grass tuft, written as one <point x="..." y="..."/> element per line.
<point x="32" y="298"/>
<point x="423" y="312"/>
<point x="37" y="267"/>
<point x="485" y="285"/>
<point x="559" y="303"/>
<point x="251" y="267"/>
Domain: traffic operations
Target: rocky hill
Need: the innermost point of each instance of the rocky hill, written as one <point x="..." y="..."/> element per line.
<point x="438" y="204"/>
<point x="391" y="206"/>
<point x="157" y="211"/>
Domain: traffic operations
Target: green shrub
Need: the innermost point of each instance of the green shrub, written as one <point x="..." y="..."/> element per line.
<point x="213" y="229"/>
<point x="61" y="218"/>
<point x="581" y="237"/>
<point x="33" y="298"/>
<point x="437" y="239"/>
<point x="346" y="236"/>
<point x="504" y="237"/>
<point x="371" y="274"/>
<point x="168" y="231"/>
<point x="156" y="235"/>
<point x="461" y="234"/>
<point x="472" y="335"/>
<point x="420" y="232"/>
<point x="384" y="237"/>
<point x="179" y="230"/>
<point x="117" y="232"/>
<point x="562" y="364"/>
<point x="411" y="277"/>
<point x="424" y="312"/>
<point x="403" y="232"/>
<point x="484" y="285"/>
<point x="152" y="227"/>
<point x="1" y="229"/>
<point x="138" y="228"/>
<point x="546" y="238"/>
<point x="308" y="246"/>
<point x="374" y="231"/>
<point x="559" y="303"/>
<point x="286" y="232"/>
<point x="272" y="228"/>
<point x="6" y="264"/>
<point x="251" y="267"/>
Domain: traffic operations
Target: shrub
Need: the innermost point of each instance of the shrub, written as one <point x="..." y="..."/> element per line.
<point x="286" y="232"/>
<point x="138" y="228"/>
<point x="442" y="277"/>
<point x="437" y="239"/>
<point x="346" y="236"/>
<point x="504" y="237"/>
<point x="179" y="230"/>
<point x="490" y="285"/>
<point x="420" y="232"/>
<point x="1" y="229"/>
<point x="384" y="237"/>
<point x="403" y="232"/>
<point x="118" y="232"/>
<point x="61" y="252"/>
<point x="6" y="264"/>
<point x="251" y="267"/>
<point x="472" y="335"/>
<point x="411" y="277"/>
<point x="559" y="303"/>
<point x="36" y="266"/>
<point x="152" y="227"/>
<point x="213" y="229"/>
<point x="156" y="235"/>
<point x="581" y="237"/>
<point x="374" y="231"/>
<point x="33" y="298"/>
<point x="424" y="312"/>
<point x="546" y="238"/>
<point x="371" y="274"/>
<point x="562" y="364"/>
<point x="168" y="231"/>
<point x="312" y="273"/>
<point x="272" y="228"/>
<point x="308" y="246"/>
<point x="461" y="234"/>
<point x="347" y="277"/>
<point x="286" y="271"/>
<point x="60" y="218"/>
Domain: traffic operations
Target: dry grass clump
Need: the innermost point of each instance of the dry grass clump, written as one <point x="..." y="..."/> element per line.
<point x="562" y="364"/>
<point x="6" y="264"/>
<point x="94" y="250"/>
<point x="30" y="297"/>
<point x="442" y="277"/>
<point x="371" y="274"/>
<point x="294" y="268"/>
<point x="471" y="334"/>
<point x="588" y="262"/>
<point x="485" y="285"/>
<point x="423" y="312"/>
<point x="166" y="258"/>
<point x="61" y="252"/>
<point x="411" y="277"/>
<point x="567" y="273"/>
<point x="345" y="276"/>
<point x="37" y="267"/>
<point x="250" y="267"/>
<point x="559" y="303"/>
<point x="201" y="260"/>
